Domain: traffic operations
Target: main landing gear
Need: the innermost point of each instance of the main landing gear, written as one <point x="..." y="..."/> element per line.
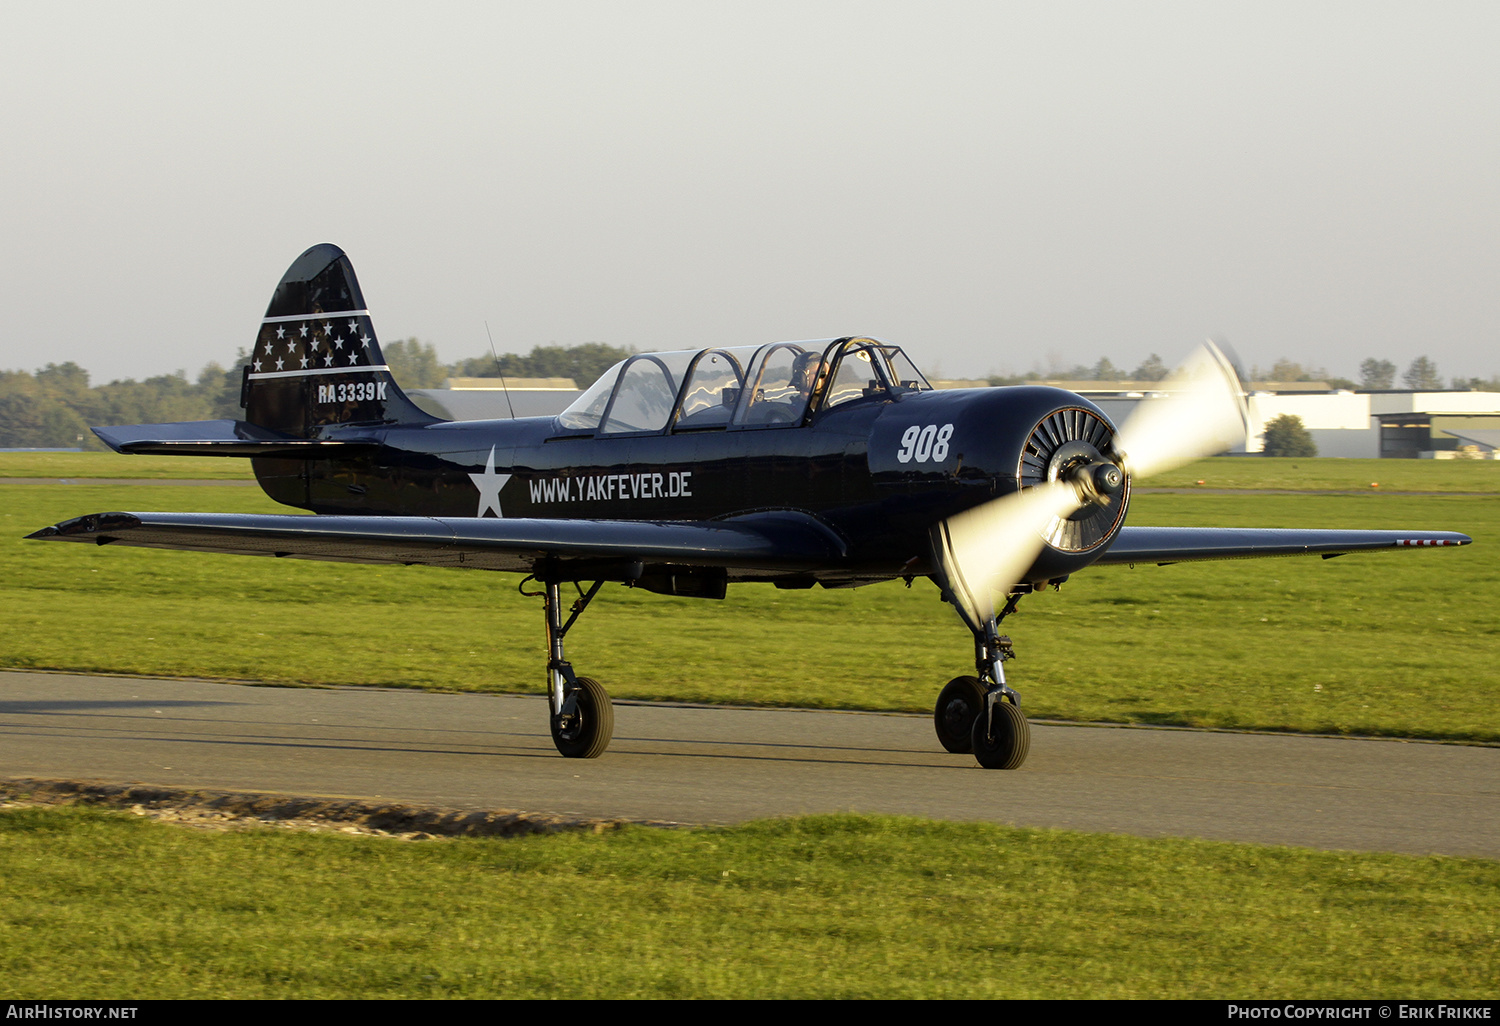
<point x="582" y="716"/>
<point x="980" y="714"/>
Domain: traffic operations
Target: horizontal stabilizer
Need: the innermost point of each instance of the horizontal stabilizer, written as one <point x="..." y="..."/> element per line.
<point x="1183" y="544"/>
<point x="224" y="438"/>
<point x="771" y="541"/>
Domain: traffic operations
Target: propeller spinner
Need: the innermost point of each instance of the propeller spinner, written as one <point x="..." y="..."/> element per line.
<point x="985" y="551"/>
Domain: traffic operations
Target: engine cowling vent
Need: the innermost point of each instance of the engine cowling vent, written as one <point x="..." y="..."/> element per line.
<point x="1062" y="441"/>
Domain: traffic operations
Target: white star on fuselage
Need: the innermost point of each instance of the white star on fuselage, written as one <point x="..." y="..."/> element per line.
<point x="489" y="484"/>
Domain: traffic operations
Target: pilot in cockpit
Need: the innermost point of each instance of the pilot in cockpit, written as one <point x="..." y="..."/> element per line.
<point x="807" y="376"/>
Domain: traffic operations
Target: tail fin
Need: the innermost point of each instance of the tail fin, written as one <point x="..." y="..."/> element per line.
<point x="316" y="360"/>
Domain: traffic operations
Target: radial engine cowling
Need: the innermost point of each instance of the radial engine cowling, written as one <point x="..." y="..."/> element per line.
<point x="1068" y="498"/>
<point x="1075" y="442"/>
<point x="986" y="444"/>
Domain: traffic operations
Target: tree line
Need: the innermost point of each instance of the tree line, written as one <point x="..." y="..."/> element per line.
<point x="54" y="406"/>
<point x="1421" y="375"/>
<point x="415" y="363"/>
<point x="1151" y="369"/>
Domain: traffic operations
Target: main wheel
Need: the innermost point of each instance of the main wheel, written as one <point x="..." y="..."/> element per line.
<point x="587" y="736"/>
<point x="957" y="705"/>
<point x="1006" y="745"/>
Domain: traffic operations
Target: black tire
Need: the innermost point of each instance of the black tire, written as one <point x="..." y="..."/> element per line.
<point x="953" y="717"/>
<point x="1008" y="744"/>
<point x="588" y="735"/>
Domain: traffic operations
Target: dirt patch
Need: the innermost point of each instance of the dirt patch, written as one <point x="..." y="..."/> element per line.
<point x="231" y="810"/>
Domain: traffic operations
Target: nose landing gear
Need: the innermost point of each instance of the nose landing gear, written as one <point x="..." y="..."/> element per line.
<point x="958" y="706"/>
<point x="981" y="714"/>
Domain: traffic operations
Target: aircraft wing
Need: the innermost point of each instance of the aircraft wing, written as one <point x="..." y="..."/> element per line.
<point x="767" y="541"/>
<point x="1182" y="544"/>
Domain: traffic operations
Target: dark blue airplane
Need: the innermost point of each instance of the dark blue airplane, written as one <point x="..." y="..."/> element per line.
<point x="829" y="463"/>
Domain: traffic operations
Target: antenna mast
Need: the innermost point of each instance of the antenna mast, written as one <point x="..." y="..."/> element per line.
<point x="504" y="387"/>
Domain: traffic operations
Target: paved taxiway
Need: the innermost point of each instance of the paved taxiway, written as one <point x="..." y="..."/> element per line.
<point x="701" y="765"/>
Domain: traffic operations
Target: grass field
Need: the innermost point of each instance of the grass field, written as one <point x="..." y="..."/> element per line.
<point x="1400" y="643"/>
<point x="1472" y="476"/>
<point x="101" y="905"/>
<point x="84" y="465"/>
<point x="94" y="905"/>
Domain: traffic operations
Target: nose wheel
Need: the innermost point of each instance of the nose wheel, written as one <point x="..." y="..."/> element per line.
<point x="958" y="706"/>
<point x="1002" y="737"/>
<point x="980" y="714"/>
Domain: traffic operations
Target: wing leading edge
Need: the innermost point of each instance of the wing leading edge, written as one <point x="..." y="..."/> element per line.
<point x="1184" y="544"/>
<point x="773" y="542"/>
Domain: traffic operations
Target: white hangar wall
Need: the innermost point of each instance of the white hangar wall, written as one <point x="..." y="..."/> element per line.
<point x="1340" y="423"/>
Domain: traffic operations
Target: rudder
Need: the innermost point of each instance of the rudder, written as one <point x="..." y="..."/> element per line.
<point x="317" y="361"/>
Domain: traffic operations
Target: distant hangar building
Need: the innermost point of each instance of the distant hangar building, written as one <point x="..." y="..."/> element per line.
<point x="1384" y="424"/>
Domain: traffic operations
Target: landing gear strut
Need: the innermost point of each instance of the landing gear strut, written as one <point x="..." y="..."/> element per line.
<point x="582" y="716"/>
<point x="982" y="714"/>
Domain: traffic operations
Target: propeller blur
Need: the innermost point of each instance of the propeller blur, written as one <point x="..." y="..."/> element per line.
<point x="985" y="552"/>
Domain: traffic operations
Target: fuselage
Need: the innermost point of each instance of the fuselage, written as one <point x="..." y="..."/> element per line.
<point x="879" y="472"/>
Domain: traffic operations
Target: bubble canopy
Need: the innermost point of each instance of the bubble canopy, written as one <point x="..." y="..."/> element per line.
<point x="739" y="387"/>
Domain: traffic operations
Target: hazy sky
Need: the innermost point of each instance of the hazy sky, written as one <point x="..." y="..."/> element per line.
<point x="993" y="186"/>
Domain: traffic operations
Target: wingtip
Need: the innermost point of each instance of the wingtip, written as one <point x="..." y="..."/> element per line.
<point x="1428" y="541"/>
<point x="86" y="528"/>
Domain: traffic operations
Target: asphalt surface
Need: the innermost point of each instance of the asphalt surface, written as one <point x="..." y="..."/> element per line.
<point x="691" y="764"/>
